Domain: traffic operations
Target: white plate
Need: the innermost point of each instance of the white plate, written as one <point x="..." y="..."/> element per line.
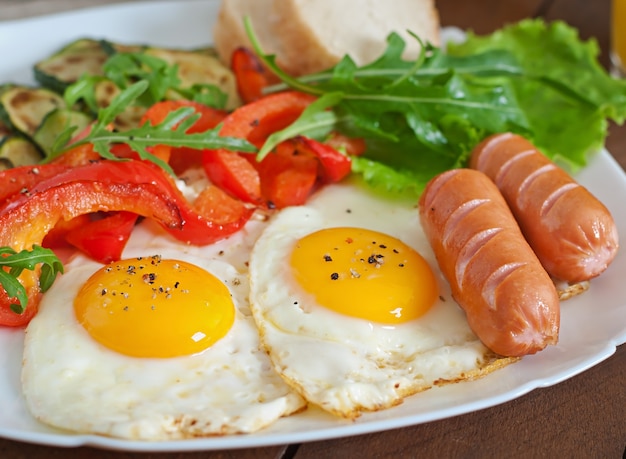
<point x="592" y="324"/>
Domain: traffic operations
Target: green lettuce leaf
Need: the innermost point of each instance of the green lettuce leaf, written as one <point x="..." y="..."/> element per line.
<point x="422" y="117"/>
<point x="562" y="127"/>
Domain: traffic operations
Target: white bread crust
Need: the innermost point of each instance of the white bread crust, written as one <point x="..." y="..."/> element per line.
<point x="308" y="36"/>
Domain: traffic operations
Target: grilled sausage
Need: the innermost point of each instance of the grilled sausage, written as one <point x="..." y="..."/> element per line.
<point x="572" y="233"/>
<point x="510" y="301"/>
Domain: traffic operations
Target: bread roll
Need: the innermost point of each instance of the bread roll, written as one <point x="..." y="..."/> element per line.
<point x="229" y="32"/>
<point x="308" y="36"/>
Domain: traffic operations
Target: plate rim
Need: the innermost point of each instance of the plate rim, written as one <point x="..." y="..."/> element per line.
<point x="267" y="437"/>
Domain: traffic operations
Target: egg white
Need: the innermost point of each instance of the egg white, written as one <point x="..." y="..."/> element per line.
<point x="343" y="364"/>
<point x="72" y="382"/>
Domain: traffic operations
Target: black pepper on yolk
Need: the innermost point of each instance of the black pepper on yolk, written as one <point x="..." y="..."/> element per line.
<point x="364" y="274"/>
<point x="149" y="307"/>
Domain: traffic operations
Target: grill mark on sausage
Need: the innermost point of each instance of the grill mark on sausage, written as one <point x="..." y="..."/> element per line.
<point x="491" y="145"/>
<point x="554" y="197"/>
<point x="506" y="166"/>
<point x="495" y="279"/>
<point x="473" y="245"/>
<point x="453" y="221"/>
<point x="528" y="181"/>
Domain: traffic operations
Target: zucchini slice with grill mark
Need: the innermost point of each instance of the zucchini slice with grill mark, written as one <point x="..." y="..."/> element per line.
<point x="83" y="56"/>
<point x="24" y="108"/>
<point x="56" y="122"/>
<point x="18" y="151"/>
<point x="131" y="116"/>
<point x="200" y="67"/>
<point x="5" y="131"/>
<point x="111" y="47"/>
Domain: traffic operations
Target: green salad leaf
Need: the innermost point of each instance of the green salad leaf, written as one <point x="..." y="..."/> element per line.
<point x="16" y="262"/>
<point x="422" y="117"/>
<point x="560" y="126"/>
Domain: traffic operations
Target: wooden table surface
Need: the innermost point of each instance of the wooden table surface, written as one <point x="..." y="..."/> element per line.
<point x="583" y="417"/>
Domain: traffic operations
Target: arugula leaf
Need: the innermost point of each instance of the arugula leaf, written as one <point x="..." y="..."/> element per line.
<point x="27" y="259"/>
<point x="172" y="132"/>
<point x="315" y="121"/>
<point x="422" y="117"/>
<point x="126" y="68"/>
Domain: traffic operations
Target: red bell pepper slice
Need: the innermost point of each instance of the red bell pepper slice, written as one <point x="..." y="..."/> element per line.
<point x="55" y="239"/>
<point x="250" y="75"/>
<point x="103" y="239"/>
<point x="11" y="319"/>
<point x="353" y="146"/>
<point x="19" y="179"/>
<point x="197" y="229"/>
<point x="234" y="174"/>
<point x="182" y="158"/>
<point x="334" y="164"/>
<point x="288" y="175"/>
<point x="209" y="116"/>
<point x="26" y="219"/>
<point x="254" y="122"/>
<point x="220" y="207"/>
<point x="134" y="186"/>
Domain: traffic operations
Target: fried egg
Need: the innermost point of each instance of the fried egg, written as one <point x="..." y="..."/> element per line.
<point x="351" y="308"/>
<point x="155" y="347"/>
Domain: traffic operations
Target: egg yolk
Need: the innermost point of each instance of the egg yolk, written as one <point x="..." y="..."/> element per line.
<point x="152" y="307"/>
<point x="364" y="274"/>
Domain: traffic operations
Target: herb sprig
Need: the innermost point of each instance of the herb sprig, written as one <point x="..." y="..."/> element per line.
<point x="125" y="68"/>
<point x="422" y="117"/>
<point x="171" y="131"/>
<point x="17" y="262"/>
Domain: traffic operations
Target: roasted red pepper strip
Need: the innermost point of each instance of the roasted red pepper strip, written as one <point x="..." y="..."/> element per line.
<point x="287" y="175"/>
<point x="103" y="239"/>
<point x="182" y="158"/>
<point x="209" y="117"/>
<point x="55" y="239"/>
<point x="250" y="75"/>
<point x="254" y="122"/>
<point x="134" y="186"/>
<point x="215" y="204"/>
<point x="334" y="165"/>
<point x="20" y="179"/>
<point x="11" y="319"/>
<point x="353" y="146"/>
<point x="27" y="218"/>
<point x="197" y="229"/>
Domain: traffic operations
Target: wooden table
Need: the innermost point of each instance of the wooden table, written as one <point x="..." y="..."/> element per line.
<point x="583" y="417"/>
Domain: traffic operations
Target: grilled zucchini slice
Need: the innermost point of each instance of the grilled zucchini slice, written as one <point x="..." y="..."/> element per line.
<point x="200" y="67"/>
<point x="24" y="108"/>
<point x="56" y="122"/>
<point x="18" y="151"/>
<point x="83" y="56"/>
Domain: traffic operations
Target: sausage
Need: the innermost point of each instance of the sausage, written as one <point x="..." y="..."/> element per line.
<point x="572" y="232"/>
<point x="510" y="301"/>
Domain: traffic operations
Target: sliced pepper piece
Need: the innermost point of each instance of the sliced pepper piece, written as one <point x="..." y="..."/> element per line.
<point x="182" y="158"/>
<point x="353" y="146"/>
<point x="221" y="208"/>
<point x="103" y="239"/>
<point x="250" y="75"/>
<point x="26" y="219"/>
<point x="197" y="229"/>
<point x="254" y="122"/>
<point x="21" y="179"/>
<point x="288" y="175"/>
<point x="334" y="164"/>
